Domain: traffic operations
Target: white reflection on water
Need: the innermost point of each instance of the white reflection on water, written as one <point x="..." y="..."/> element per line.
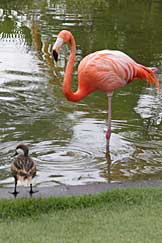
<point x="15" y="57"/>
<point x="148" y="105"/>
<point x="69" y="146"/>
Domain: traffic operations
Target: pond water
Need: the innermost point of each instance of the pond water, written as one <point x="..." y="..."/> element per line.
<point x="67" y="139"/>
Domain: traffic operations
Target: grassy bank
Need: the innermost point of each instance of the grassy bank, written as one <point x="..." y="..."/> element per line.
<point x="120" y="215"/>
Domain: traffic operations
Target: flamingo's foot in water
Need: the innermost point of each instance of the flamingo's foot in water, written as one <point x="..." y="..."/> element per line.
<point x="108" y="135"/>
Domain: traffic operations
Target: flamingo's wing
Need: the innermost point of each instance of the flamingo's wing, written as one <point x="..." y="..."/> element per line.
<point x="110" y="81"/>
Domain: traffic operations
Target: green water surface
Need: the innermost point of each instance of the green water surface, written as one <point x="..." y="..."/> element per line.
<point x="67" y="139"/>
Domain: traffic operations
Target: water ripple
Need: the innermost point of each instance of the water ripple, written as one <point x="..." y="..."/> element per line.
<point x="67" y="140"/>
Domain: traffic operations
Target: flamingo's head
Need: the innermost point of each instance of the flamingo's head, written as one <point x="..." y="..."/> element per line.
<point x="56" y="48"/>
<point x="63" y="37"/>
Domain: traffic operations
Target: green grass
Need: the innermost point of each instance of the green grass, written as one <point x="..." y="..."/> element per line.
<point x="120" y="215"/>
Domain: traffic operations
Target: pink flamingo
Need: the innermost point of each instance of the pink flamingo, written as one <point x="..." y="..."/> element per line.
<point x="105" y="70"/>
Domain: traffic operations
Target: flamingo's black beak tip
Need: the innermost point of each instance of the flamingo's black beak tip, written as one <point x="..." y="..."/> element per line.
<point x="55" y="55"/>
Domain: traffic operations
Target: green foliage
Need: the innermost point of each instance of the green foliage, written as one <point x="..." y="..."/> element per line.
<point x="112" y="199"/>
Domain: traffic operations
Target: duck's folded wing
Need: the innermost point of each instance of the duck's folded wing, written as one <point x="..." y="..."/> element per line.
<point x="23" y="167"/>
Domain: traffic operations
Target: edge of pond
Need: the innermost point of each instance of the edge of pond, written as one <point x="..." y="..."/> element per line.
<point x="76" y="190"/>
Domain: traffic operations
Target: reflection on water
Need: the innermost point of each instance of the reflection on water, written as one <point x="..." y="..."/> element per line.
<point x="66" y="139"/>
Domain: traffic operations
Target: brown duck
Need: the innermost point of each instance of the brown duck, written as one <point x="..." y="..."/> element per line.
<point x="23" y="168"/>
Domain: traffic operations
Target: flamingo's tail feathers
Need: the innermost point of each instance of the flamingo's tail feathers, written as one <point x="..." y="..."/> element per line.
<point x="154" y="69"/>
<point x="150" y="75"/>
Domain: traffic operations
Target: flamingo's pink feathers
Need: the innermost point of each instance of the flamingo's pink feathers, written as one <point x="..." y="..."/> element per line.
<point x="106" y="70"/>
<point x="109" y="70"/>
<point x="149" y="74"/>
<point x="154" y="69"/>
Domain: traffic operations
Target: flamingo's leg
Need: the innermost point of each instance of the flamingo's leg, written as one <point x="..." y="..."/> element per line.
<point x="108" y="133"/>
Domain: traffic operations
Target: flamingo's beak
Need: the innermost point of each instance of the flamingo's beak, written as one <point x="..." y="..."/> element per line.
<point x="55" y="55"/>
<point x="56" y="47"/>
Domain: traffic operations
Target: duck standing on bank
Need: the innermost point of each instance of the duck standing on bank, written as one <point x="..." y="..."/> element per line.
<point x="23" y="168"/>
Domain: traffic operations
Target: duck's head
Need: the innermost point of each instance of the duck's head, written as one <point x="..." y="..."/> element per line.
<point x="22" y="149"/>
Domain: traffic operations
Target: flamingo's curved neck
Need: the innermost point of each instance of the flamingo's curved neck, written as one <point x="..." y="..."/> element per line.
<point x="67" y="90"/>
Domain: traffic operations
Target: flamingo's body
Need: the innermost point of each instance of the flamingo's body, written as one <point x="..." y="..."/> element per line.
<point x="105" y="70"/>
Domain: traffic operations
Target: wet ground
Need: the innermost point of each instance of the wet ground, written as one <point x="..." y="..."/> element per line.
<point x="74" y="190"/>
